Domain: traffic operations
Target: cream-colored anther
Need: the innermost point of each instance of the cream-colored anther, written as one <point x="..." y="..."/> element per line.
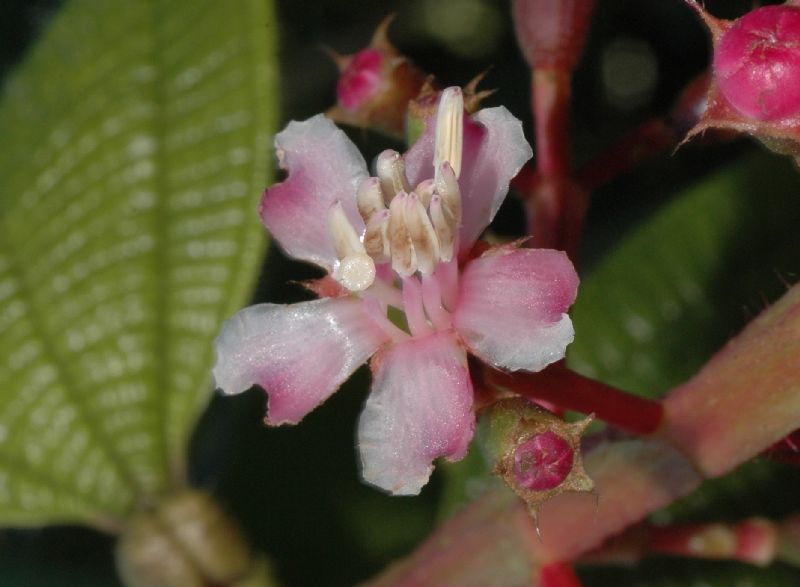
<point x="369" y="198"/>
<point x="404" y="260"/>
<point x="376" y="240"/>
<point x="447" y="188"/>
<point x="423" y="237"/>
<point x="449" y="137"/>
<point x="392" y="174"/>
<point x="425" y="190"/>
<point x="445" y="225"/>
<point x="355" y="269"/>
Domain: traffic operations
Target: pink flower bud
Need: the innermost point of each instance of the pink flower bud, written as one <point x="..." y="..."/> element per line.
<point x="755" y="84"/>
<point x="375" y="85"/>
<point x="536" y="453"/>
<point x="552" y="33"/>
<point x="757" y="63"/>
<point x="361" y="80"/>
<point x="543" y="461"/>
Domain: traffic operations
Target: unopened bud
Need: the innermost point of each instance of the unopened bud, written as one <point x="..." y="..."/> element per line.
<point x="187" y="541"/>
<point x="757" y="63"/>
<point x="552" y="33"/>
<point x="537" y="454"/>
<point x="755" y="86"/>
<point x="375" y="85"/>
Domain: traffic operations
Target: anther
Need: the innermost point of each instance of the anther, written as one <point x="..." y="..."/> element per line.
<point x="425" y="190"/>
<point x="392" y="174"/>
<point x="369" y="198"/>
<point x="445" y="225"/>
<point x="355" y="269"/>
<point x="449" y="130"/>
<point x="376" y="240"/>
<point x="404" y="260"/>
<point x="423" y="237"/>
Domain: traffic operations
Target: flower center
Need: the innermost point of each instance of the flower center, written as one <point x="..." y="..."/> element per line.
<point x="413" y="230"/>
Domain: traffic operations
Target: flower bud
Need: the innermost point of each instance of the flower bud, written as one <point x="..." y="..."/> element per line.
<point x="537" y="454"/>
<point x="187" y="541"/>
<point x="755" y="86"/>
<point x="375" y="85"/>
<point x="552" y="33"/>
<point x="757" y="63"/>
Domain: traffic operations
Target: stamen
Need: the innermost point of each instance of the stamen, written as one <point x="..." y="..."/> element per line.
<point x="423" y="237"/>
<point x="377" y="312"/>
<point x="425" y="190"/>
<point x="376" y="240"/>
<point x="355" y="270"/>
<point x="447" y="276"/>
<point x="449" y="130"/>
<point x="447" y="187"/>
<point x="345" y="239"/>
<point x="404" y="260"/>
<point x="392" y="174"/>
<point x="432" y="300"/>
<point x="444" y="224"/>
<point x="412" y="305"/>
<point x="369" y="198"/>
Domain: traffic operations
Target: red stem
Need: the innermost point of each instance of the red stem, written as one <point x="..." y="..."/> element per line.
<point x="559" y="574"/>
<point x="569" y="390"/>
<point x="643" y="142"/>
<point x="551" y="94"/>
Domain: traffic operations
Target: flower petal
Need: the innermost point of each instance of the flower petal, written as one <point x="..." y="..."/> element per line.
<point x="420" y="408"/>
<point x="512" y="305"/>
<point x="300" y="353"/>
<point x="495" y="150"/>
<point x="324" y="167"/>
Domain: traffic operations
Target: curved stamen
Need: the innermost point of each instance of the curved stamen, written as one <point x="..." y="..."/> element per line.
<point x="377" y="312"/>
<point x="355" y="269"/>
<point x="432" y="300"/>
<point x="414" y="310"/>
<point x="391" y="171"/>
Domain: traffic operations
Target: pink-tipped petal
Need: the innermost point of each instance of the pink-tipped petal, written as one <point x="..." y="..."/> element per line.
<point x="512" y="306"/>
<point x="324" y="167"/>
<point x="300" y="353"/>
<point x="495" y="150"/>
<point x="420" y="408"/>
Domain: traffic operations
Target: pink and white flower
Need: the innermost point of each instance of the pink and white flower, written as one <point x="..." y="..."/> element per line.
<point x="395" y="241"/>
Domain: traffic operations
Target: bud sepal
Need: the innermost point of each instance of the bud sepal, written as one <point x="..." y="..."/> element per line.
<point x="536" y="453"/>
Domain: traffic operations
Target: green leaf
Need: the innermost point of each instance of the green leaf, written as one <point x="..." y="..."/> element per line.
<point x="684" y="282"/>
<point x="135" y="145"/>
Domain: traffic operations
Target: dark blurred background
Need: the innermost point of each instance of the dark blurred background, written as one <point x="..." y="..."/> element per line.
<point x="296" y="489"/>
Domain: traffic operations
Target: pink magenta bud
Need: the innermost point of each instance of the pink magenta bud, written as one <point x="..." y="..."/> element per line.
<point x="361" y="79"/>
<point x="757" y="63"/>
<point x="543" y="461"/>
<point x="375" y="85"/>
